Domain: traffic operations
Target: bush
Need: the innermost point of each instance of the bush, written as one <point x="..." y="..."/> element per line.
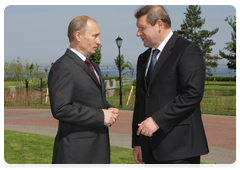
<point x="134" y="82"/>
<point x="110" y="78"/>
<point x="220" y="78"/>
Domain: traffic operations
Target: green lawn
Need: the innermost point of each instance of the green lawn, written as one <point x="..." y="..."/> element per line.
<point x="28" y="148"/>
<point x="219" y="98"/>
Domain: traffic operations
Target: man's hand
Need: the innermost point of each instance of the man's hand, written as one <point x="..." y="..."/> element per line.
<point x="110" y="116"/>
<point x="114" y="110"/>
<point x="147" y="127"/>
<point x="137" y="153"/>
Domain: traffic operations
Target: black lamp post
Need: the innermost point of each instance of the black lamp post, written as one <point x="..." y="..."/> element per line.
<point x="119" y="43"/>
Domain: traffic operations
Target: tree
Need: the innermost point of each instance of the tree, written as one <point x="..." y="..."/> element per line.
<point x="131" y="69"/>
<point x="46" y="72"/>
<point x="37" y="71"/>
<point x="6" y="69"/>
<point x="19" y="70"/>
<point x="14" y="69"/>
<point x="231" y="46"/>
<point x="31" y="69"/>
<point x="191" y="29"/>
<point x="96" y="57"/>
<point x="123" y="64"/>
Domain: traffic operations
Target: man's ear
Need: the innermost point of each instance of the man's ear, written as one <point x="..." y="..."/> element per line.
<point x="78" y="35"/>
<point x="159" y="23"/>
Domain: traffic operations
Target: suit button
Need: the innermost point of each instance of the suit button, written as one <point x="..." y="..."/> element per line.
<point x="147" y="95"/>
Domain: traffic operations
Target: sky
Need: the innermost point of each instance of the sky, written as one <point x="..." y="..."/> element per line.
<point x="38" y="33"/>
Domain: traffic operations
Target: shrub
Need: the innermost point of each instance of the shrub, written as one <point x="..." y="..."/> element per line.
<point x="220" y="78"/>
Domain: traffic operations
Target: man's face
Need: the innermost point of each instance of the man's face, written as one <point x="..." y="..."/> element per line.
<point x="148" y="33"/>
<point x="90" y="40"/>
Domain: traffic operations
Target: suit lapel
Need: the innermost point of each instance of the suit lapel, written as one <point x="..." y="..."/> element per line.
<point x="163" y="57"/>
<point x="83" y="65"/>
<point x="99" y="74"/>
<point x="144" y="67"/>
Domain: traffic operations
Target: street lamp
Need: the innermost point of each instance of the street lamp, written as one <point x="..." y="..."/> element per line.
<point x="119" y="44"/>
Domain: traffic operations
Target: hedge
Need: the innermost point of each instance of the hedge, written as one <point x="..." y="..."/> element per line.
<point x="220" y="78"/>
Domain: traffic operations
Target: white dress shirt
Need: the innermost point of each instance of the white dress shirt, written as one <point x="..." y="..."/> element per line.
<point x="161" y="46"/>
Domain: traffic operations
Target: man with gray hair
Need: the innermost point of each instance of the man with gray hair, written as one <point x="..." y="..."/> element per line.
<point x="167" y="127"/>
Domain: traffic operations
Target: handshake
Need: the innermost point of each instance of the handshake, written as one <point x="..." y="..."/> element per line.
<point x="110" y="116"/>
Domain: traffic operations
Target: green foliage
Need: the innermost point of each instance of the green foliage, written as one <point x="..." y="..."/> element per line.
<point x="191" y="29"/>
<point x="96" y="57"/>
<point x="134" y="82"/>
<point x="110" y="78"/>
<point x="19" y="69"/>
<point x="31" y="68"/>
<point x="124" y="65"/>
<point x="27" y="68"/>
<point x="16" y="70"/>
<point x="19" y="84"/>
<point x="46" y="72"/>
<point x="220" y="78"/>
<point x="37" y="71"/>
<point x="6" y="68"/>
<point x="231" y="46"/>
<point x="131" y="69"/>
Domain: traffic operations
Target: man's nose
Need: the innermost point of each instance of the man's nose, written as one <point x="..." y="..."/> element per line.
<point x="139" y="33"/>
<point x="98" y="41"/>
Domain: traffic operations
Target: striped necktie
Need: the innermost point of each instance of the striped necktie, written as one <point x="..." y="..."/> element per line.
<point x="152" y="64"/>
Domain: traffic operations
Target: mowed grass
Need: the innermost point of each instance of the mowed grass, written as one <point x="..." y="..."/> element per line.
<point x="26" y="150"/>
<point x="219" y="98"/>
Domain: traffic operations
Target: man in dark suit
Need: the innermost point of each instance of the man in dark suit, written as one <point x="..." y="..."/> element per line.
<point x="78" y="101"/>
<point x="167" y="127"/>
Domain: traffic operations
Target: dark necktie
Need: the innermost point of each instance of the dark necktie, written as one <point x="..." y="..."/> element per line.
<point x="88" y="62"/>
<point x="151" y="66"/>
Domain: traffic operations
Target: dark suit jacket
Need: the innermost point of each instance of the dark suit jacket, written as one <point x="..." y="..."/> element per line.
<point x="77" y="101"/>
<point x="173" y="101"/>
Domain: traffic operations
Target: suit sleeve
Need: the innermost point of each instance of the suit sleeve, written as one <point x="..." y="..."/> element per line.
<point x="136" y="112"/>
<point x="61" y="90"/>
<point x="191" y="72"/>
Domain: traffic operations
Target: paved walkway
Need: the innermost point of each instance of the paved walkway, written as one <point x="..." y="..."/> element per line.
<point x="220" y="130"/>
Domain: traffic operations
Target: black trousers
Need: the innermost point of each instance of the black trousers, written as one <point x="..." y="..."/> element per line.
<point x="152" y="160"/>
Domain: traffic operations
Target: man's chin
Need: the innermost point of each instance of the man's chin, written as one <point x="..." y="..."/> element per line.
<point x="93" y="52"/>
<point x="146" y="45"/>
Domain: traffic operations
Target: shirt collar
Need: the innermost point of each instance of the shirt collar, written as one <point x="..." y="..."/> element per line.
<point x="162" y="45"/>
<point x="78" y="54"/>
